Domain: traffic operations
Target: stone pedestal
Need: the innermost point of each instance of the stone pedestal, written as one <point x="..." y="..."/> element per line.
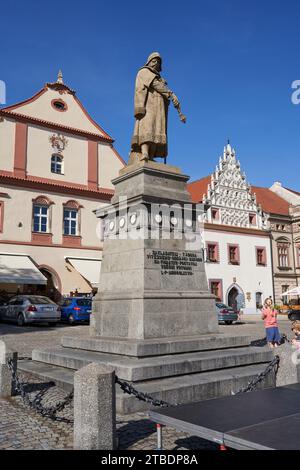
<point x="153" y="283"/>
<point x="154" y="320"/>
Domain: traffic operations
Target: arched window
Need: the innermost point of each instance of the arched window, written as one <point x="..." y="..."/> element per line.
<point x="283" y="254"/>
<point x="41" y="214"/>
<point x="57" y="164"/>
<point x="71" y="218"/>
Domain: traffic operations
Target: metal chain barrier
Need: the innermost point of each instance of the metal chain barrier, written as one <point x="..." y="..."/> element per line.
<point x="36" y="403"/>
<point x="126" y="387"/>
<point x="251" y="386"/>
<point x="130" y="390"/>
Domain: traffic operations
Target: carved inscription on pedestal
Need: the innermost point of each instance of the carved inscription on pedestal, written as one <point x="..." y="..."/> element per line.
<point x="175" y="263"/>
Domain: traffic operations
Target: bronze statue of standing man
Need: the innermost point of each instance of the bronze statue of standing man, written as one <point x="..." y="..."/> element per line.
<point x="151" y="101"/>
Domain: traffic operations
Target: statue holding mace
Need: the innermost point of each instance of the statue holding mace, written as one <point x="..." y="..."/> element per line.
<point x="151" y="101"/>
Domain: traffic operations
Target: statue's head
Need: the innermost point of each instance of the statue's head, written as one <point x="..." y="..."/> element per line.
<point x="154" y="61"/>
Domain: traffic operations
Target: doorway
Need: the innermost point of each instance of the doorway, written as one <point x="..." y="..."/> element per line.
<point x="232" y="298"/>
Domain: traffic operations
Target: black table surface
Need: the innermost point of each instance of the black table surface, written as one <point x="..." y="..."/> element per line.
<point x="276" y="434"/>
<point x="213" y="419"/>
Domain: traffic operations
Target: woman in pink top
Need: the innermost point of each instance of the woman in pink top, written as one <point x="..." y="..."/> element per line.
<point x="269" y="315"/>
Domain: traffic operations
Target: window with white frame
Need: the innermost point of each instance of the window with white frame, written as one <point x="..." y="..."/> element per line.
<point x="40" y="218"/>
<point x="70" y="221"/>
<point x="283" y="255"/>
<point x="57" y="164"/>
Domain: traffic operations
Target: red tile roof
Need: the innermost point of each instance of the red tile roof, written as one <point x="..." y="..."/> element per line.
<point x="270" y="202"/>
<point x="198" y="188"/>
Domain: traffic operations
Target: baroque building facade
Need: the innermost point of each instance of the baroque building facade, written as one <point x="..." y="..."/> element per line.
<point x="283" y="205"/>
<point x="56" y="167"/>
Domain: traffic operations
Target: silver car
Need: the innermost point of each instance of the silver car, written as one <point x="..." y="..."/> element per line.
<point x="25" y="309"/>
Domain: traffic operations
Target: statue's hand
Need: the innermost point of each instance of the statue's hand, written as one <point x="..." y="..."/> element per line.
<point x="140" y="112"/>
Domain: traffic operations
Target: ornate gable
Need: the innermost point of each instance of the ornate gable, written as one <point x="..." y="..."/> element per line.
<point x="229" y="195"/>
<point x="57" y="106"/>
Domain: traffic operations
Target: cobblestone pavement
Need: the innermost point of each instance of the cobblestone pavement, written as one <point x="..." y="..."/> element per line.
<point x="25" y="339"/>
<point x="23" y="428"/>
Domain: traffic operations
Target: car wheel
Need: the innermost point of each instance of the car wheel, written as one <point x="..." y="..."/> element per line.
<point x="71" y="320"/>
<point x="228" y="322"/>
<point x="21" y="320"/>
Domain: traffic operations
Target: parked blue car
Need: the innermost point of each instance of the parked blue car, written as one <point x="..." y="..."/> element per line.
<point x="75" y="309"/>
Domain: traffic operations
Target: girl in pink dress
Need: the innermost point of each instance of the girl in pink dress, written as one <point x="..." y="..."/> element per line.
<point x="269" y="315"/>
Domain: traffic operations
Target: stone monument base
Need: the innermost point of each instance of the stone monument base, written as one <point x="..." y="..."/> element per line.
<point x="180" y="370"/>
<point x="154" y="320"/>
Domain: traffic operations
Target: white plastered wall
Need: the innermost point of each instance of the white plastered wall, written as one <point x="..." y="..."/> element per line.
<point x="249" y="277"/>
<point x="7" y="144"/>
<point x="108" y="167"/>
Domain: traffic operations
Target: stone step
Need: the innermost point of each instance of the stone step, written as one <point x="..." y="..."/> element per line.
<point x="174" y="390"/>
<point x="193" y="387"/>
<point x="157" y="346"/>
<point x="64" y="378"/>
<point x="149" y="368"/>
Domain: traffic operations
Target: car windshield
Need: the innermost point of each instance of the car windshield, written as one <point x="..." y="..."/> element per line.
<point x="38" y="300"/>
<point x="84" y="302"/>
<point x="223" y="306"/>
<point x="65" y="302"/>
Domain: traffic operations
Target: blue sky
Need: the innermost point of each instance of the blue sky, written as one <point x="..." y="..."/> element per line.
<point x="230" y="62"/>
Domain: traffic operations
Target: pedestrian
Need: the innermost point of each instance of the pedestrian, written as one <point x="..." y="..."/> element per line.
<point x="296" y="330"/>
<point x="269" y="315"/>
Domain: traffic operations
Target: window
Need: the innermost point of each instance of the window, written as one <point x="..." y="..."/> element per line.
<point x="70" y="221"/>
<point x="233" y="254"/>
<point x="84" y="302"/>
<point x="252" y="219"/>
<point x="40" y="218"/>
<point x="285" y="288"/>
<point x="59" y="105"/>
<point x="1" y="215"/>
<point x="258" y="300"/>
<point x="283" y="256"/>
<point x="261" y="256"/>
<point x="212" y="252"/>
<point x="297" y="253"/>
<point x="216" y="288"/>
<point x="57" y="164"/>
<point x="215" y="214"/>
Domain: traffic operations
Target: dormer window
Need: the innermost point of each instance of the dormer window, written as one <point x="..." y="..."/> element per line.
<point x="57" y="164"/>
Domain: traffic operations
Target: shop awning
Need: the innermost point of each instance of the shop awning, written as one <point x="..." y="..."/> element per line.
<point x="89" y="268"/>
<point x="19" y="269"/>
<point x="290" y="293"/>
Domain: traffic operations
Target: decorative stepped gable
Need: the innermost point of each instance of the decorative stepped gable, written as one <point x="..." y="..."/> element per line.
<point x="229" y="196"/>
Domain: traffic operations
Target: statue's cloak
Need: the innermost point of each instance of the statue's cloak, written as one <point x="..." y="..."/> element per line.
<point x="152" y="127"/>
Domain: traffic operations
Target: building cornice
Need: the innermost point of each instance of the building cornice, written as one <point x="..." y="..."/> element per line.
<point x="235" y="229"/>
<point x="52" y="125"/>
<point x="50" y="245"/>
<point x="47" y="185"/>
